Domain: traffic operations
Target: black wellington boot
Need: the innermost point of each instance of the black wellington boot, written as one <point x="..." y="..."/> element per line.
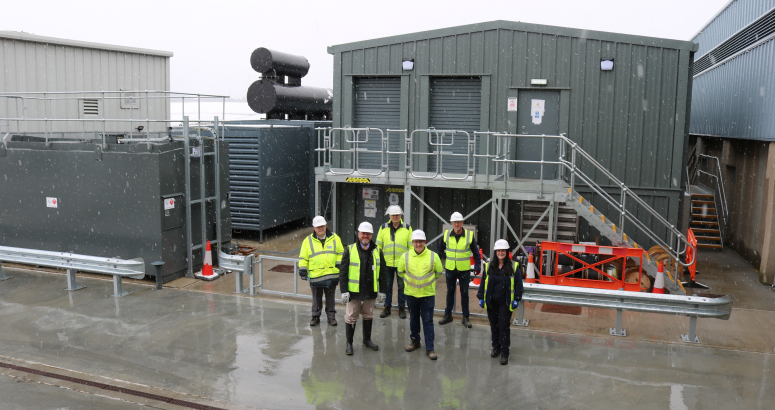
<point x="367" y="335"/>
<point x="348" y="350"/>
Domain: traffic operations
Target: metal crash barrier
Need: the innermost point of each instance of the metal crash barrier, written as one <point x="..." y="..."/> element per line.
<point x="118" y="268"/>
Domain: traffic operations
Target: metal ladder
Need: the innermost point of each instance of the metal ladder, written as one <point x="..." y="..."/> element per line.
<point x="203" y="199"/>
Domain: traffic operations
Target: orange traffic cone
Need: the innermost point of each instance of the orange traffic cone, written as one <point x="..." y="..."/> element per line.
<point x="207" y="268"/>
<point x="659" y="283"/>
<point x="531" y="269"/>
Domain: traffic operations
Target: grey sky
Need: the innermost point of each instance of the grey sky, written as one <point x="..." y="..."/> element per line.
<point x="212" y="40"/>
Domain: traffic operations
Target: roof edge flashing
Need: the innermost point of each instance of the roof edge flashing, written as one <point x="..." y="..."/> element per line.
<point x="34" y="38"/>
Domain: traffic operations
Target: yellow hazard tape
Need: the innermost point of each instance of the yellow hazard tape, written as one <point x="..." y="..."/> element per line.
<point x="667" y="272"/>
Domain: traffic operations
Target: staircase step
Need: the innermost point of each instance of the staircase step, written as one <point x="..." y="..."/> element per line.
<point x="529" y="224"/>
<point x="705" y="230"/>
<point x="707" y="245"/>
<point x="702" y="196"/>
<point x="708" y="238"/>
<point x="694" y="201"/>
<point x="699" y="208"/>
<point x="704" y="216"/>
<point x="704" y="223"/>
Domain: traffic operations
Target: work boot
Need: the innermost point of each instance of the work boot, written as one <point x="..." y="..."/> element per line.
<point x="466" y="322"/>
<point x="504" y="359"/>
<point x="315" y="321"/>
<point x="367" y="335"/>
<point x="350" y="331"/>
<point x="401" y="312"/>
<point x="385" y="312"/>
<point x="414" y="345"/>
<point x="495" y="352"/>
<point x="433" y="356"/>
<point x="446" y="319"/>
<point x="332" y="321"/>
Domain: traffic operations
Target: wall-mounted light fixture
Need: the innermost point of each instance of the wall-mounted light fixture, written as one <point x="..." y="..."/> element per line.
<point x="538" y="81"/>
<point x="407" y="64"/>
<point x="606" y="64"/>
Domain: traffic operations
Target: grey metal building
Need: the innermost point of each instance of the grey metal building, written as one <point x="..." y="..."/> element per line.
<point x="623" y="99"/>
<point x="36" y="64"/>
<point x="733" y="127"/>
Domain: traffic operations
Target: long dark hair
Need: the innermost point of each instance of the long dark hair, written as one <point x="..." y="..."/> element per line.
<point x="507" y="263"/>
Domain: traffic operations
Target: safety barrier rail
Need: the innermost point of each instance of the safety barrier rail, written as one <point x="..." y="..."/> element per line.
<point x="118" y="268"/>
<point x="607" y="279"/>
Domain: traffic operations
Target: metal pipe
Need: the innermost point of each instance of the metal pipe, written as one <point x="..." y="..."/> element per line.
<point x="217" y="161"/>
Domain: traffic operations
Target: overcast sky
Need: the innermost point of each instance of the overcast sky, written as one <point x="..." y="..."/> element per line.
<point x="212" y="40"/>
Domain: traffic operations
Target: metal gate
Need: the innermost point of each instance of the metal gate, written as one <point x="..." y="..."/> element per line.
<point x="455" y="104"/>
<point x="377" y="104"/>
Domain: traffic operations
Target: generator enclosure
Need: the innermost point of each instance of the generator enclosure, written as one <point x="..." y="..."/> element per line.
<point x="112" y="199"/>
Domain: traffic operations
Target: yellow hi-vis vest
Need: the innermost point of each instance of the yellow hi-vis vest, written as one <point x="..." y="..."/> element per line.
<point x="420" y="272"/>
<point x="487" y="281"/>
<point x="458" y="253"/>
<point x="321" y="260"/>
<point x="354" y="272"/>
<point x="393" y="248"/>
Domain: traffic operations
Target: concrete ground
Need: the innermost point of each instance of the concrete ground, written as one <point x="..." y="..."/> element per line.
<point x="199" y="342"/>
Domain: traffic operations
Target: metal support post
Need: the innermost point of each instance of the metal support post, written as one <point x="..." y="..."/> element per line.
<point x="316" y="210"/>
<point x="187" y="168"/>
<point x="334" y="212"/>
<point x="71" y="283"/>
<point x="407" y="204"/>
<point x="159" y="273"/>
<point x="217" y="174"/>
<point x="492" y="220"/>
<point x="247" y="269"/>
<point x="118" y="289"/>
<point x="691" y="337"/>
<point x="295" y="278"/>
<point x="421" y="211"/>
<point x="520" y="320"/>
<point x="2" y="275"/>
<point x="618" y="331"/>
<point x="202" y="187"/>
<point x="260" y="278"/>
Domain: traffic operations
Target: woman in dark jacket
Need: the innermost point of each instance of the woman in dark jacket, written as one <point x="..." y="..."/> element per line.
<point x="500" y="293"/>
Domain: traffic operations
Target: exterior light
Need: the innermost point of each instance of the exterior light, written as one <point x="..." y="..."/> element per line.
<point x="408" y="64"/>
<point x="538" y="81"/>
<point x="607" y="64"/>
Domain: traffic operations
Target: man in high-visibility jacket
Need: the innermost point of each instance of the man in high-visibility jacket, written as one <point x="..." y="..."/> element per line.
<point x="362" y="282"/>
<point x="457" y="247"/>
<point x="319" y="259"/>
<point x="420" y="267"/>
<point x="393" y="240"/>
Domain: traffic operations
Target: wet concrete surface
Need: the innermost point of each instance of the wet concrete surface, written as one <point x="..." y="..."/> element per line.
<point x="19" y="394"/>
<point x="259" y="352"/>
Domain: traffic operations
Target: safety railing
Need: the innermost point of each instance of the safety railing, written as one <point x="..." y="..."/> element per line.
<point x="438" y="154"/>
<point x="707" y="172"/>
<point x="71" y="262"/>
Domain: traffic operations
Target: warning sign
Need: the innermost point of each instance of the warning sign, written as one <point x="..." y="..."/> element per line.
<point x="52" y="202"/>
<point x="512" y="103"/>
<point x="169" y="203"/>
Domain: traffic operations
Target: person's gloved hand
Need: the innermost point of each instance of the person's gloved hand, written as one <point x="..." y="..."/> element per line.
<point x="481" y="303"/>
<point x="345" y="298"/>
<point x="381" y="297"/>
<point x="514" y="304"/>
<point x="304" y="274"/>
<point x="304" y="277"/>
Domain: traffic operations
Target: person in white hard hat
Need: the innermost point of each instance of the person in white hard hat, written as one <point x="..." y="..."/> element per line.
<point x="393" y="240"/>
<point x="319" y="259"/>
<point x="420" y="267"/>
<point x="500" y="295"/>
<point x="362" y="281"/>
<point x="456" y="248"/>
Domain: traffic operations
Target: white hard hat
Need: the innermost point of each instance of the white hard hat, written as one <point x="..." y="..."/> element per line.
<point x="394" y="210"/>
<point x="318" y="221"/>
<point x="501" y="244"/>
<point x="418" y="235"/>
<point x="456" y="216"/>
<point x="365" y="227"/>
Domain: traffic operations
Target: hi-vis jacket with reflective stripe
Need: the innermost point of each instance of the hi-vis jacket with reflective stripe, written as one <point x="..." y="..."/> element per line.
<point x="321" y="260"/>
<point x="420" y="272"/>
<point x="458" y="251"/>
<point x="515" y="283"/>
<point x="354" y="272"/>
<point x="394" y="244"/>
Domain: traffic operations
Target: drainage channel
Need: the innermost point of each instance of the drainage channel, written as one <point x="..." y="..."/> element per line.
<point x="108" y="387"/>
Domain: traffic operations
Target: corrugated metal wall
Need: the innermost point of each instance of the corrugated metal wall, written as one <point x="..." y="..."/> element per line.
<point x="733" y="17"/>
<point x="27" y="66"/>
<point x="377" y="105"/>
<point x="455" y="104"/>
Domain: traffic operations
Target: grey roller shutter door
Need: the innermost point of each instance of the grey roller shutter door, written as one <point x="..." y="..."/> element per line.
<point x="377" y="105"/>
<point x="455" y="104"/>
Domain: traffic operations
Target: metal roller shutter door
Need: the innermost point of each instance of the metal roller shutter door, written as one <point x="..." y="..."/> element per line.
<point x="455" y="104"/>
<point x="377" y="105"/>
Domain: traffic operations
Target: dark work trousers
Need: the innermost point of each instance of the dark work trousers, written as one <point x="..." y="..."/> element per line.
<point x="393" y="273"/>
<point x="421" y="308"/>
<point x="317" y="301"/>
<point x="500" y="319"/>
<point x="465" y="279"/>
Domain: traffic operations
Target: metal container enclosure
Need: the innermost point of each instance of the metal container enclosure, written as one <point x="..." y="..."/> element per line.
<point x="108" y="201"/>
<point x="32" y="63"/>
<point x="633" y="119"/>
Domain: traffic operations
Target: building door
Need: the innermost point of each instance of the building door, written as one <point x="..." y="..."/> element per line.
<point x="377" y="105"/>
<point x="538" y="112"/>
<point x="455" y="104"/>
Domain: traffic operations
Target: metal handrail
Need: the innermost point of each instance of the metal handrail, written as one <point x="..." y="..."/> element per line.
<point x="719" y="184"/>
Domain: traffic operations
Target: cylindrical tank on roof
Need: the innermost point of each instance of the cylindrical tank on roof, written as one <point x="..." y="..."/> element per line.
<point x="265" y="60"/>
<point x="265" y="96"/>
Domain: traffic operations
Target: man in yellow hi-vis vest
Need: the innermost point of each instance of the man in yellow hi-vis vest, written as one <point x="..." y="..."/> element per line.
<point x="394" y="239"/>
<point x="456" y="247"/>
<point x="362" y="281"/>
<point x="319" y="259"/>
<point x="420" y="267"/>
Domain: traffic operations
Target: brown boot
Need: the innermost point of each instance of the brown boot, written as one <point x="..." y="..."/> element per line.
<point x="315" y="321"/>
<point x="432" y="355"/>
<point x="414" y="345"/>
<point x="446" y="319"/>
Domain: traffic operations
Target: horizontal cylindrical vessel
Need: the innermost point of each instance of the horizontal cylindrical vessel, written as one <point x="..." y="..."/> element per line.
<point x="265" y="60"/>
<point x="265" y="96"/>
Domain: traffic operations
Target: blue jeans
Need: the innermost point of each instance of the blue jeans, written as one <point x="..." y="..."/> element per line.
<point x="465" y="279"/>
<point x="393" y="273"/>
<point x="421" y="308"/>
